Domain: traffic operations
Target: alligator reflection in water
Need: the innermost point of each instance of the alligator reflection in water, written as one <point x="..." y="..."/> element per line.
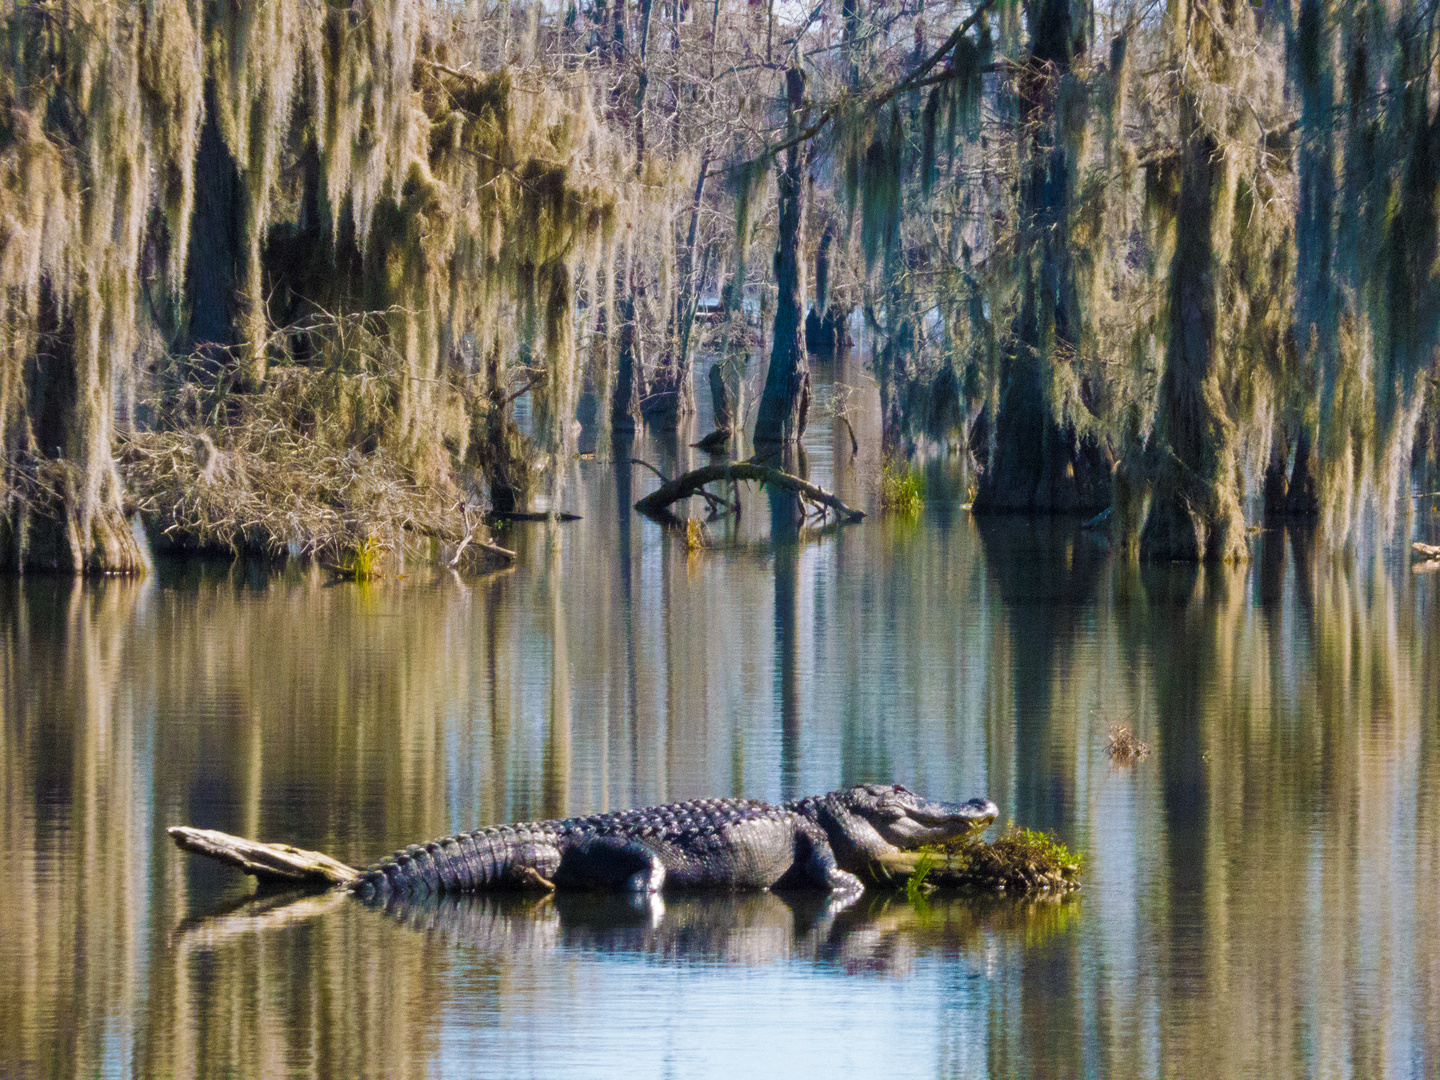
<point x="880" y="934"/>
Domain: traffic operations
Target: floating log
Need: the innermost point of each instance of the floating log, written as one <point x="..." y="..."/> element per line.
<point x="1425" y="552"/>
<point x="682" y="487"/>
<point x="269" y="863"/>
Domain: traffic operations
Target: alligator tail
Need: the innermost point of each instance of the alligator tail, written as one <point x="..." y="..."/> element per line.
<point x="501" y="856"/>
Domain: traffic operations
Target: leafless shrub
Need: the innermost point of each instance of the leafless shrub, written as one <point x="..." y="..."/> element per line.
<point x="286" y="471"/>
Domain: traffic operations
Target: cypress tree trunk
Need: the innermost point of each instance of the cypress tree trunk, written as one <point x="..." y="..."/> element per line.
<point x="629" y="385"/>
<point x="629" y="392"/>
<point x="1318" y="303"/>
<point x="672" y="393"/>
<point x="1195" y="507"/>
<point x="892" y="358"/>
<point x="212" y="266"/>
<point x="505" y="454"/>
<point x="69" y="518"/>
<point x="1038" y="464"/>
<point x="786" y="397"/>
<point x="1274" y="486"/>
<point x="1302" y="494"/>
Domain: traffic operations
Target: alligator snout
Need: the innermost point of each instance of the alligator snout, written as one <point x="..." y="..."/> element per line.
<point x="908" y="821"/>
<point x="955" y="819"/>
<point x="974" y="813"/>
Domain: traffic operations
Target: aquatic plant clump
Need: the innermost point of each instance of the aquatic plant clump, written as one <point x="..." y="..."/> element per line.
<point x="1017" y="863"/>
<point x="902" y="488"/>
<point x="1124" y="746"/>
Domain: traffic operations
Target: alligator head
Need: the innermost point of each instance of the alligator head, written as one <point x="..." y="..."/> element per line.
<point x="873" y="821"/>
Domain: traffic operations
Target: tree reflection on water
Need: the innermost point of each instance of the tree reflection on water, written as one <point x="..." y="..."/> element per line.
<point x="1259" y="892"/>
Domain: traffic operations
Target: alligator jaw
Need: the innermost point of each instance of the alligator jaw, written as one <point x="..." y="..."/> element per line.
<point x="935" y="822"/>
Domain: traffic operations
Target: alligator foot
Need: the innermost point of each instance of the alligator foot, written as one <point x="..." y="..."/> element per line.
<point x="527" y="877"/>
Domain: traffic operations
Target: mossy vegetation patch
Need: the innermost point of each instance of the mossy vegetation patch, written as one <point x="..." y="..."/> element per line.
<point x="1018" y="862"/>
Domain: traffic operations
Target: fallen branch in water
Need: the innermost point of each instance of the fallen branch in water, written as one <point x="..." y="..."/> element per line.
<point x="642" y="462"/>
<point x="682" y="487"/>
<point x="493" y="550"/>
<point x="1425" y="552"/>
<point x="718" y="506"/>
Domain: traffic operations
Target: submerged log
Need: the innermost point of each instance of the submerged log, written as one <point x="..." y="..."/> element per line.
<point x="682" y="487"/>
<point x="532" y="515"/>
<point x="269" y="863"/>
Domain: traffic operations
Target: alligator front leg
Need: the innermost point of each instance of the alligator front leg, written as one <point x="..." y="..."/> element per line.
<point x="610" y="864"/>
<point x="814" y="866"/>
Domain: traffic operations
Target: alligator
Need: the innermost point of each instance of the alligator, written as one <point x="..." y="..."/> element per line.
<point x="825" y="842"/>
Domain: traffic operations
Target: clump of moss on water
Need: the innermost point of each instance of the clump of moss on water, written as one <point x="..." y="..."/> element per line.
<point x="1017" y="863"/>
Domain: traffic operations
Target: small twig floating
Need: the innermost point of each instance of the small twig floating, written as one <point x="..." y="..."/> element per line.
<point x="682" y="487"/>
<point x="645" y="464"/>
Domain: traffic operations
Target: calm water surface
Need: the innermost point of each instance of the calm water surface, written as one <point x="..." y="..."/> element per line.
<point x="1262" y="892"/>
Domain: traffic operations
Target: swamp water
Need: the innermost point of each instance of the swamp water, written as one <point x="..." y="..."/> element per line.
<point x="1262" y="893"/>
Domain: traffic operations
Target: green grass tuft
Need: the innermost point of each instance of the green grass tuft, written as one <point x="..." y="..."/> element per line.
<point x="362" y="563"/>
<point x="917" y="885"/>
<point x="902" y="488"/>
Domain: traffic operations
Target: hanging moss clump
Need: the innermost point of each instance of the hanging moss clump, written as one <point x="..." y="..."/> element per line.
<point x="373" y="220"/>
